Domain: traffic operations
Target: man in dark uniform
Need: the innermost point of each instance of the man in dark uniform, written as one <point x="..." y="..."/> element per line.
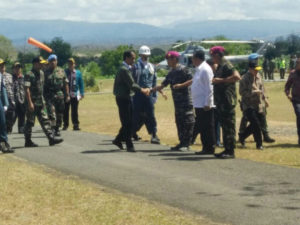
<point x="124" y="88"/>
<point x="144" y="75"/>
<point x="225" y="99"/>
<point x="4" y="146"/>
<point x="55" y="88"/>
<point x="19" y="97"/>
<point x="35" y="103"/>
<point x="178" y="77"/>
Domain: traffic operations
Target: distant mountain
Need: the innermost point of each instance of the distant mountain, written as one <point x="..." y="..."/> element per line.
<point x="84" y="33"/>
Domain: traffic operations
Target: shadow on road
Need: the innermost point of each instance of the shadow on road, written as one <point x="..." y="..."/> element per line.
<point x="287" y="145"/>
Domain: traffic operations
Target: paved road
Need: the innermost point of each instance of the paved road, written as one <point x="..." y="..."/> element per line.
<point x="239" y="192"/>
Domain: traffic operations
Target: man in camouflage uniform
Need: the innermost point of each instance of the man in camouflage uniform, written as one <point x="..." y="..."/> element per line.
<point x="55" y="89"/>
<point x="8" y="82"/>
<point x="179" y="79"/>
<point x="34" y="83"/>
<point x="4" y="146"/>
<point x="225" y="99"/>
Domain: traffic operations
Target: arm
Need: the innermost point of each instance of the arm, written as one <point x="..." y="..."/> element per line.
<point x="231" y="79"/>
<point x="183" y="85"/>
<point x="28" y="97"/>
<point x="288" y="85"/>
<point x="4" y="96"/>
<point x="207" y="79"/>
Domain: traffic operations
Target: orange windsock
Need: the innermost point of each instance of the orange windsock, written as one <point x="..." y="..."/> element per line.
<point x="38" y="44"/>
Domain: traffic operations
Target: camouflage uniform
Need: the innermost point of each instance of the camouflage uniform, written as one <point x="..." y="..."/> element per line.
<point x="34" y="80"/>
<point x="9" y="85"/>
<point x="54" y="91"/>
<point x="184" y="115"/>
<point x="225" y="100"/>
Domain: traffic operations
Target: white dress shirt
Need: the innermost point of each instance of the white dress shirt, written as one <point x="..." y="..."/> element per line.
<point x="202" y="88"/>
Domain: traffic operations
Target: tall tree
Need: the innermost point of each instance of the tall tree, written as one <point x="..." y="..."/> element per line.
<point x="7" y="50"/>
<point x="61" y="48"/>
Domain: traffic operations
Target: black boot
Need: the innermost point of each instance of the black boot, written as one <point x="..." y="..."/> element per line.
<point x="54" y="140"/>
<point x="57" y="132"/>
<point x="5" y="147"/>
<point x="268" y="139"/>
<point x="30" y="144"/>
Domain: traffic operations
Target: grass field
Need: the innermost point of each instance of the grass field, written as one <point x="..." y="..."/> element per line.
<point x="99" y="114"/>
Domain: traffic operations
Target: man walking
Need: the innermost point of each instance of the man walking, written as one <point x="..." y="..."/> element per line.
<point x="225" y="99"/>
<point x="124" y="88"/>
<point x="253" y="103"/>
<point x="56" y="89"/>
<point x="35" y="104"/>
<point x="76" y="93"/>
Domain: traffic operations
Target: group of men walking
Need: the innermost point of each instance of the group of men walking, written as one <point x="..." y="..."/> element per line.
<point x="198" y="99"/>
<point x="44" y="92"/>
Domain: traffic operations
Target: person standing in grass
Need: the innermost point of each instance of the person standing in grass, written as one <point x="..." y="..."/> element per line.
<point x="292" y="91"/>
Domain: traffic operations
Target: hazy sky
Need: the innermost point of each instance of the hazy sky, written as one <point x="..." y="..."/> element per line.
<point x="155" y="12"/>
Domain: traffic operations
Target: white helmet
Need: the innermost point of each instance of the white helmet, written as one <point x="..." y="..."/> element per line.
<point x="144" y="50"/>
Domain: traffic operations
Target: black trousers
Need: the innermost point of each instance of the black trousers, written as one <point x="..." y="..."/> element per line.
<point x="205" y="125"/>
<point x="125" y="113"/>
<point x="254" y="128"/>
<point x="18" y="112"/>
<point x="74" y="112"/>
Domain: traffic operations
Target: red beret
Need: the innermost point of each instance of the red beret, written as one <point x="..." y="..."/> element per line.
<point x="217" y="49"/>
<point x="173" y="54"/>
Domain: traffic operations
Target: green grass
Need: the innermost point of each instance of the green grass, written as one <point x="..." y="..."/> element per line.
<point x="99" y="114"/>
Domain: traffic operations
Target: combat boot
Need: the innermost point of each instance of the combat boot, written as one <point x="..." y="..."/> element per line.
<point x="56" y="132"/>
<point x="54" y="140"/>
<point x="30" y="144"/>
<point x="268" y="139"/>
<point x="5" y="147"/>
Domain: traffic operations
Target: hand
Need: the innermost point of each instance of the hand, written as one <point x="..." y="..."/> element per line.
<point x="31" y="107"/>
<point x="289" y="97"/>
<point x="257" y="92"/>
<point x="165" y="96"/>
<point x="145" y="91"/>
<point x="267" y="103"/>
<point x="68" y="99"/>
<point x="217" y="80"/>
<point x="177" y="86"/>
<point x="5" y="108"/>
<point x="207" y="108"/>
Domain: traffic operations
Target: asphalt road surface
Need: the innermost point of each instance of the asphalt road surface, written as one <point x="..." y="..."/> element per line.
<point x="234" y="191"/>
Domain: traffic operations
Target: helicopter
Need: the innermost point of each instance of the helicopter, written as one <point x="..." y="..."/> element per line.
<point x="192" y="46"/>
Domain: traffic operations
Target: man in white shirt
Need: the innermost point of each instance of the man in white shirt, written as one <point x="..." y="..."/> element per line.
<point x="203" y="102"/>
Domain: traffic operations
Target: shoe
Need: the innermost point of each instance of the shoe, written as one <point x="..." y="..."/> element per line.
<point x="180" y="147"/>
<point x="155" y="140"/>
<point x="65" y="128"/>
<point x="205" y="152"/>
<point x="55" y="140"/>
<point x="259" y="147"/>
<point x="268" y="139"/>
<point x="118" y="144"/>
<point x="30" y="144"/>
<point x="219" y="145"/>
<point x="76" y="128"/>
<point x="225" y="155"/>
<point x="242" y="141"/>
<point x="131" y="149"/>
<point x="6" y="148"/>
<point x="135" y="137"/>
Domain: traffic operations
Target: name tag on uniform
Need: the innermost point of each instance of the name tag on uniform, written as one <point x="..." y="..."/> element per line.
<point x="27" y="84"/>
